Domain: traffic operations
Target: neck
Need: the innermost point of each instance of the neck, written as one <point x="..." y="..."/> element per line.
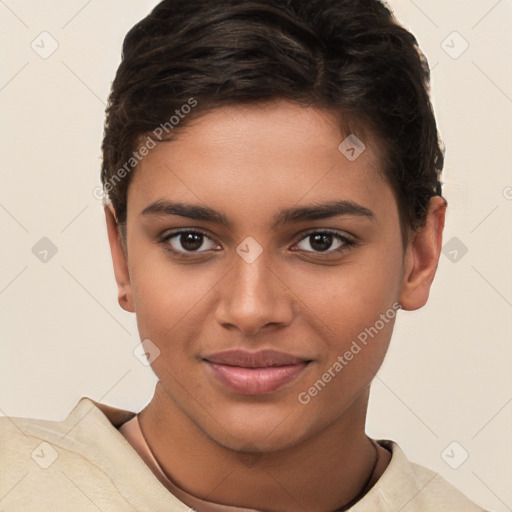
<point x="322" y="473"/>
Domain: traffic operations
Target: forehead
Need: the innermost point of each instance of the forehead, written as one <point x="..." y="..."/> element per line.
<point x="252" y="158"/>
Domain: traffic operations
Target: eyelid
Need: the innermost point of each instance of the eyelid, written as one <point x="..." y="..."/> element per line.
<point x="346" y="239"/>
<point x="164" y="239"/>
<point x="177" y="231"/>
<point x="330" y="231"/>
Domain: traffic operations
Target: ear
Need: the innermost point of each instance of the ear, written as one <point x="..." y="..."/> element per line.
<point x="422" y="257"/>
<point x="119" y="259"/>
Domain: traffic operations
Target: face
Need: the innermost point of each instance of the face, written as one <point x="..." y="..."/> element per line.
<point x="253" y="232"/>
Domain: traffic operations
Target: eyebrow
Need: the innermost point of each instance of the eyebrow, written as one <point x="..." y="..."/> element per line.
<point x="311" y="212"/>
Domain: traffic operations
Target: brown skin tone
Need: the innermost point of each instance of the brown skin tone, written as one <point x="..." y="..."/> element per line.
<point x="268" y="452"/>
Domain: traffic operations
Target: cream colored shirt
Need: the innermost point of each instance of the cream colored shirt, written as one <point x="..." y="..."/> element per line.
<point x="97" y="460"/>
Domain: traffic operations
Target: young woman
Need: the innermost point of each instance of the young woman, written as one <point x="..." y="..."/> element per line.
<point x="273" y="175"/>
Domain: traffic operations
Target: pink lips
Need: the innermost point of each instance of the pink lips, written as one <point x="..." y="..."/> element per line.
<point x="255" y="373"/>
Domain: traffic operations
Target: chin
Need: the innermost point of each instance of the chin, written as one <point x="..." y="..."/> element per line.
<point x="259" y="429"/>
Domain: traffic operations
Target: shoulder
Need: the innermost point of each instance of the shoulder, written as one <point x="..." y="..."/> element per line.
<point x="409" y="487"/>
<point x="44" y="461"/>
<point x="86" y="422"/>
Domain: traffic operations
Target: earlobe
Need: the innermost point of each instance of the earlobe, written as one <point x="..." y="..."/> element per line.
<point x="119" y="260"/>
<point x="422" y="257"/>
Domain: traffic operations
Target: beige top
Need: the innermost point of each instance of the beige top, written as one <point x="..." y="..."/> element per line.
<point x="84" y="464"/>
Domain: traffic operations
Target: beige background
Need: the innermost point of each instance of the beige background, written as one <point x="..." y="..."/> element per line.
<point x="447" y="376"/>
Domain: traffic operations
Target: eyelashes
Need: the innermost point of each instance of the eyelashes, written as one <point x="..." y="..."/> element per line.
<point x="187" y="236"/>
<point x="327" y="235"/>
<point x="189" y="242"/>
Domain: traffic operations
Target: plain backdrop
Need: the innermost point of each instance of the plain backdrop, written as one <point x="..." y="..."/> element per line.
<point x="447" y="375"/>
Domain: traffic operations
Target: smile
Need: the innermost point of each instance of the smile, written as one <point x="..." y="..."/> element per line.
<point x="255" y="373"/>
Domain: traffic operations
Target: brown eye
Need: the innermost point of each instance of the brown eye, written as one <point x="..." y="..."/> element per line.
<point x="324" y="241"/>
<point x="189" y="242"/>
<point x="321" y="242"/>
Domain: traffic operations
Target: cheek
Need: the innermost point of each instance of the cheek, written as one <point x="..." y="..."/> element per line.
<point x="353" y="310"/>
<point x="166" y="295"/>
<point x="352" y="297"/>
<point x="355" y="346"/>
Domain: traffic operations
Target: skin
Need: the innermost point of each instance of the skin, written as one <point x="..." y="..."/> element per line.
<point x="268" y="452"/>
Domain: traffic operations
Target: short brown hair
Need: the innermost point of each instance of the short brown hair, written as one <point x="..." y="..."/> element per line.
<point x="350" y="57"/>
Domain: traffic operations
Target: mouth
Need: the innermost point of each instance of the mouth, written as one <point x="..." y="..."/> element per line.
<point x="255" y="373"/>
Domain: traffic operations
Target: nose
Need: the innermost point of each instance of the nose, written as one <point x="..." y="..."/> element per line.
<point x="254" y="298"/>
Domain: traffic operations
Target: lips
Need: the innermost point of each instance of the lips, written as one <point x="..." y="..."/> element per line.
<point x="261" y="359"/>
<point x="254" y="373"/>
